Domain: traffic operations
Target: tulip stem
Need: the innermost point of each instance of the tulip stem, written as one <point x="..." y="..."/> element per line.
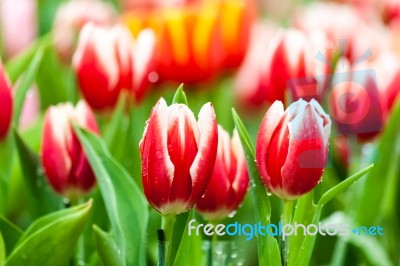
<point x="168" y="227"/>
<point x="286" y="218"/>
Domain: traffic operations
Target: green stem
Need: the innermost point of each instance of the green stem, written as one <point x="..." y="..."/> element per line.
<point x="168" y="227"/>
<point x="286" y="218"/>
<point x="213" y="243"/>
<point x="161" y="247"/>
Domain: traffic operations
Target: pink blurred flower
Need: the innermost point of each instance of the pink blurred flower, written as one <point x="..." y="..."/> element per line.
<point x="18" y="24"/>
<point x="341" y="24"/>
<point x="30" y="109"/>
<point x="72" y="16"/>
<point x="286" y="60"/>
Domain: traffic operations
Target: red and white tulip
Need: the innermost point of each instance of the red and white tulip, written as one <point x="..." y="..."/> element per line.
<point x="178" y="155"/>
<point x="63" y="158"/>
<point x="292" y="147"/>
<point x="229" y="180"/>
<point x="108" y="60"/>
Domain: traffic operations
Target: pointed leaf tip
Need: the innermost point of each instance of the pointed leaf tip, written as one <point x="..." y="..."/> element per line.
<point x="180" y="96"/>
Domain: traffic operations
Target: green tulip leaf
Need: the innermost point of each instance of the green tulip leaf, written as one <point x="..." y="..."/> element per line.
<point x="106" y="247"/>
<point x="189" y="252"/>
<point x="42" y="199"/>
<point x="54" y="75"/>
<point x="40" y="244"/>
<point x="303" y="214"/>
<point x="126" y="206"/>
<point x="2" y="250"/>
<point x="180" y="96"/>
<point x="374" y="252"/>
<point x="6" y="162"/>
<point x="26" y="83"/>
<point x="11" y="234"/>
<point x="381" y="185"/>
<point x="18" y="65"/>
<point x="305" y="252"/>
<point x="177" y="234"/>
<point x="268" y="250"/>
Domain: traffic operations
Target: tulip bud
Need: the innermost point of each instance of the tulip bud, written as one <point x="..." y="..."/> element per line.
<point x="229" y="180"/>
<point x="6" y="103"/>
<point x="178" y="156"/>
<point x="63" y="157"/>
<point x="109" y="60"/>
<point x="292" y="147"/>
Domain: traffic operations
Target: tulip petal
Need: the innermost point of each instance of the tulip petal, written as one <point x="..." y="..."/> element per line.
<point x="96" y="67"/>
<point x="143" y="62"/>
<point x="81" y="174"/>
<point x="203" y="164"/>
<point x="241" y="179"/>
<point x="306" y="156"/>
<point x="157" y="168"/>
<point x="182" y="149"/>
<point x="6" y="103"/>
<point x="267" y="128"/>
<point x="55" y="158"/>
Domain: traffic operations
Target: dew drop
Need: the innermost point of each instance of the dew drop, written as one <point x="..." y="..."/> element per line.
<point x="232" y="214"/>
<point x="66" y="201"/>
<point x="159" y="154"/>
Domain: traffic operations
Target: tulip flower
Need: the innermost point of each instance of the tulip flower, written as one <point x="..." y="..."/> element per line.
<point x="70" y="18"/>
<point x="252" y="79"/>
<point x="229" y="180"/>
<point x="18" y="25"/>
<point x="292" y="147"/>
<point x="350" y="35"/>
<point x="6" y="103"/>
<point x="356" y="102"/>
<point x="264" y="79"/>
<point x="198" y="39"/>
<point x="178" y="156"/>
<point x="63" y="158"/>
<point x="109" y="60"/>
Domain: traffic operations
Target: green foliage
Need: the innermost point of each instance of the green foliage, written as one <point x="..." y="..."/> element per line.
<point x="40" y="243"/>
<point x="42" y="199"/>
<point x="268" y="250"/>
<point x="125" y="204"/>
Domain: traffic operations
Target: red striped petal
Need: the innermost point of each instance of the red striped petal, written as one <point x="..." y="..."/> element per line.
<point x="203" y="164"/>
<point x="157" y="168"/>
<point x="267" y="129"/>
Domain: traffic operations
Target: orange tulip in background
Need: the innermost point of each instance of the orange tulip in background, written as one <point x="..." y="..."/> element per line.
<point x="197" y="39"/>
